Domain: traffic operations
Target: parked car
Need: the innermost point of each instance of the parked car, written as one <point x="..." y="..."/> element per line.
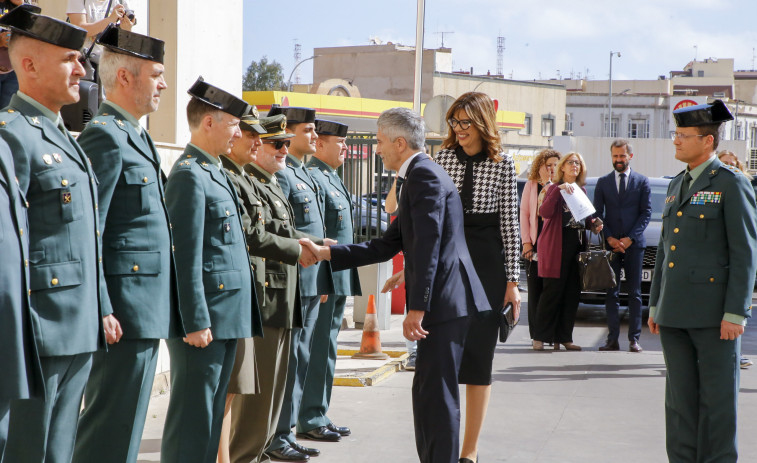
<point x="369" y="218"/>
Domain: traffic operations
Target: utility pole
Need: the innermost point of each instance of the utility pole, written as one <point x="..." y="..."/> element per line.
<point x="500" y="55"/>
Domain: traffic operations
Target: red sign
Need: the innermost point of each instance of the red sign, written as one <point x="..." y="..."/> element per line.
<point x="684" y="104"/>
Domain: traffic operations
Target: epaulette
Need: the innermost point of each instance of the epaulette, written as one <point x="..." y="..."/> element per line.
<point x="185" y="163"/>
<point x="7" y="116"/>
<point x="734" y="170"/>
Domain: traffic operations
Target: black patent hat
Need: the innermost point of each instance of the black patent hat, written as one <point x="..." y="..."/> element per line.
<point x="336" y="129"/>
<point x="251" y="121"/>
<point x="217" y="98"/>
<point x="294" y="114"/>
<point x="26" y="20"/>
<point x="702" y="114"/>
<point x="130" y="43"/>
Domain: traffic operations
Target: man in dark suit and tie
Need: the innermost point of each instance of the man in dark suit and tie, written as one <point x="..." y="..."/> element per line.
<point x="138" y="262"/>
<point x="442" y="286"/>
<point x="622" y="201"/>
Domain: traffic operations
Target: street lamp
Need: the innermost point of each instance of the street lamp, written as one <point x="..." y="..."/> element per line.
<point x="289" y="81"/>
<point x="609" y="109"/>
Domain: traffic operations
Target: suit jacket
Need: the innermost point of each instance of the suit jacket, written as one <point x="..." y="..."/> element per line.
<point x="302" y="194"/>
<point x="68" y="298"/>
<point x="705" y="263"/>
<point x="213" y="268"/>
<point x="19" y="362"/>
<point x="273" y="248"/>
<point x="338" y="216"/>
<point x="439" y="275"/>
<point x="627" y="216"/>
<point x="529" y="217"/>
<point x="137" y="242"/>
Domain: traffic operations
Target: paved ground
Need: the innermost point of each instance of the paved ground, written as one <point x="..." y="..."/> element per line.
<point x="546" y="407"/>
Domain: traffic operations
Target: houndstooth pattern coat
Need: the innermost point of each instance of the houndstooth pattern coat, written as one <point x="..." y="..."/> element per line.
<point x="494" y="191"/>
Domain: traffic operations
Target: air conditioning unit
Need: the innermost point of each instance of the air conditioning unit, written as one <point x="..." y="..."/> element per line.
<point x="718" y="95"/>
<point x="752" y="164"/>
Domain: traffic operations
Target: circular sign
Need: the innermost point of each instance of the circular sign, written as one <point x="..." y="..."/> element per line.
<point x="685" y="104"/>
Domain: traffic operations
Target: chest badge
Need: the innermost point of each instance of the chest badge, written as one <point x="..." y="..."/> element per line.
<point x="670" y="199"/>
<point x="57" y="158"/>
<point x="66" y="196"/>
<point x="47" y="159"/>
<point x="706" y="197"/>
<point x="227" y="227"/>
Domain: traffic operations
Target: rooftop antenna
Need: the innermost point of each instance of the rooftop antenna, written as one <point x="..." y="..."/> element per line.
<point x="753" y="58"/>
<point x="297" y="58"/>
<point x="696" y="50"/>
<point x="500" y="55"/>
<point x="442" y="34"/>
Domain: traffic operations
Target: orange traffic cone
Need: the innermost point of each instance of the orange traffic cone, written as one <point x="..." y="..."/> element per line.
<point x="370" y="346"/>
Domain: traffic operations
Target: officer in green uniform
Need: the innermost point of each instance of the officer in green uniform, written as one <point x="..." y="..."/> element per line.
<point x="272" y="238"/>
<point x="702" y="289"/>
<point x="69" y="304"/>
<point x="216" y="297"/>
<point x="329" y="156"/>
<point x="22" y="374"/>
<point x="315" y="281"/>
<point x="138" y="262"/>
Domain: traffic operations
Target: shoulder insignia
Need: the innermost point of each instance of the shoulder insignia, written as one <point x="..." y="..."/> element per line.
<point x="106" y="114"/>
<point x="95" y="121"/>
<point x="325" y="171"/>
<point x="733" y="169"/>
<point x="310" y="168"/>
<point x="189" y="155"/>
<point x="203" y="163"/>
<point x="290" y="164"/>
<point x="119" y="122"/>
<point x="35" y="120"/>
<point x="11" y="111"/>
<point x="262" y="180"/>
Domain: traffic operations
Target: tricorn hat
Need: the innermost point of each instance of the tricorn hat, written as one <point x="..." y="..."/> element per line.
<point x="323" y="127"/>
<point x="26" y="20"/>
<point x="702" y="114"/>
<point x="251" y="121"/>
<point x="130" y="43"/>
<point x="294" y="114"/>
<point x="275" y="127"/>
<point x="218" y="98"/>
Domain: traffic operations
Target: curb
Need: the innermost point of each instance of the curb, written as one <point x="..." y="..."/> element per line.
<point x="371" y="378"/>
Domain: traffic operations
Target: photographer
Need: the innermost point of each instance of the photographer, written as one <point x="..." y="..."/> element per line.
<point x="95" y="15"/>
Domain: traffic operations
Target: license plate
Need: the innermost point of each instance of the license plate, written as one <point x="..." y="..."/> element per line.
<point x="646" y="274"/>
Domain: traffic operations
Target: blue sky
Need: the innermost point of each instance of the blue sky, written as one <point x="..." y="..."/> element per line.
<point x="543" y="38"/>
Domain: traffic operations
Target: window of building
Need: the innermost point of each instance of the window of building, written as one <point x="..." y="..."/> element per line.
<point x="753" y="136"/>
<point x="548" y="126"/>
<point x="739" y="130"/>
<point x="569" y="122"/>
<point x="613" y="129"/>
<point x="526" y="130"/>
<point x="638" y="128"/>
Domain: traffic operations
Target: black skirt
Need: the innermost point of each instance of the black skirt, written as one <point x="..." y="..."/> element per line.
<point x="482" y="233"/>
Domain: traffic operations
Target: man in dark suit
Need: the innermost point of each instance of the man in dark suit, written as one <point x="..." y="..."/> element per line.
<point x="442" y="286"/>
<point x="138" y="262"/>
<point x="70" y="310"/>
<point x="622" y="200"/>
<point x="702" y="289"/>
<point x="217" y="298"/>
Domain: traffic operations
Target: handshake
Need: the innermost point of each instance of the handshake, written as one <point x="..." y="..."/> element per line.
<point x="313" y="253"/>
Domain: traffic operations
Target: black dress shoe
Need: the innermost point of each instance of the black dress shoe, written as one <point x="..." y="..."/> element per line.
<point x="306" y="450"/>
<point x="634" y="347"/>
<point x="287" y="453"/>
<point x="321" y="433"/>
<point x="341" y="430"/>
<point x="610" y="345"/>
<point x="467" y="460"/>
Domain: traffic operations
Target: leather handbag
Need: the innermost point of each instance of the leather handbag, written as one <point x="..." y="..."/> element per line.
<point x="506" y="321"/>
<point x="595" y="269"/>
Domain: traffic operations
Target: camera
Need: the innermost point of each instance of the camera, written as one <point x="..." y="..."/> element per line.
<point x="129" y="14"/>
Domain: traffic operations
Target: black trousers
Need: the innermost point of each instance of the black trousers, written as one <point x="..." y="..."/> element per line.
<point x="436" y="397"/>
<point x="535" y="288"/>
<point x="558" y="303"/>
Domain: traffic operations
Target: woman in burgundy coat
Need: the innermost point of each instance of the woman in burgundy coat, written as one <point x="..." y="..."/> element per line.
<point x="560" y="241"/>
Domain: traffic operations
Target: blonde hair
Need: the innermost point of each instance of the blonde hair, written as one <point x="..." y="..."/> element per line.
<point x="483" y="116"/>
<point x="739" y="164"/>
<point x="540" y="160"/>
<point x="581" y="179"/>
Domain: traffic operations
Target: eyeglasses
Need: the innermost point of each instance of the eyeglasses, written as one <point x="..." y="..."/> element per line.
<point x="682" y="136"/>
<point x="573" y="163"/>
<point x="464" y="124"/>
<point x="278" y="143"/>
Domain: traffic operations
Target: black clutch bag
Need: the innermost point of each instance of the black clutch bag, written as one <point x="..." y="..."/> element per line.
<point x="507" y="322"/>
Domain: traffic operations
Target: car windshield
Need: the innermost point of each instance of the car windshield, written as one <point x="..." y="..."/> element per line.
<point x="659" y="193"/>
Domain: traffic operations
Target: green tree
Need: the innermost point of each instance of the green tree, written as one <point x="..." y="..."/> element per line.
<point x="263" y="75"/>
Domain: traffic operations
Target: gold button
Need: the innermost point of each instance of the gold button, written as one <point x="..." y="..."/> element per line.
<point x="675" y="230"/>
<point x="64" y="182"/>
<point x="701" y="216"/>
<point x="679" y="214"/>
<point x="712" y="280"/>
<point x="26" y="262"/>
<point x="100" y="260"/>
<point x="135" y="268"/>
<point x="266" y="284"/>
<point x="673" y="248"/>
<point x="21" y="231"/>
<point x="671" y="265"/>
<point x="228" y="213"/>
<point x="54" y="281"/>
<point x="97" y="232"/>
<point x="95" y="206"/>
<point x="220" y="286"/>
<point x="144" y="179"/>
<point x="30" y="293"/>
<point x="248" y="249"/>
<point x="170" y="225"/>
<point x="307" y="200"/>
<point x="263" y="259"/>
<point x="173" y="248"/>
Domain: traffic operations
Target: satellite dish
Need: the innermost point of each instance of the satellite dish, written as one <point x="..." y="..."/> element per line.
<point x="435" y="113"/>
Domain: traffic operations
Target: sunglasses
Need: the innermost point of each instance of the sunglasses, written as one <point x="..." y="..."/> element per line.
<point x="278" y="143"/>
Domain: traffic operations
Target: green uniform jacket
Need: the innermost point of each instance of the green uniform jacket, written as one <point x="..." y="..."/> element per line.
<point x="705" y="263"/>
<point x="137" y="244"/>
<point x="213" y="268"/>
<point x="68" y="298"/>
<point x="337" y="215"/>
<point x="19" y="362"/>
<point x="302" y="194"/>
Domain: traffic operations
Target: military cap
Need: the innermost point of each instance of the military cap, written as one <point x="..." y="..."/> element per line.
<point x="702" y="114"/>
<point x="26" y="20"/>
<point x="251" y="121"/>
<point x="294" y="115"/>
<point x="275" y="127"/>
<point x="323" y="127"/>
<point x="218" y="98"/>
<point x="130" y="43"/>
